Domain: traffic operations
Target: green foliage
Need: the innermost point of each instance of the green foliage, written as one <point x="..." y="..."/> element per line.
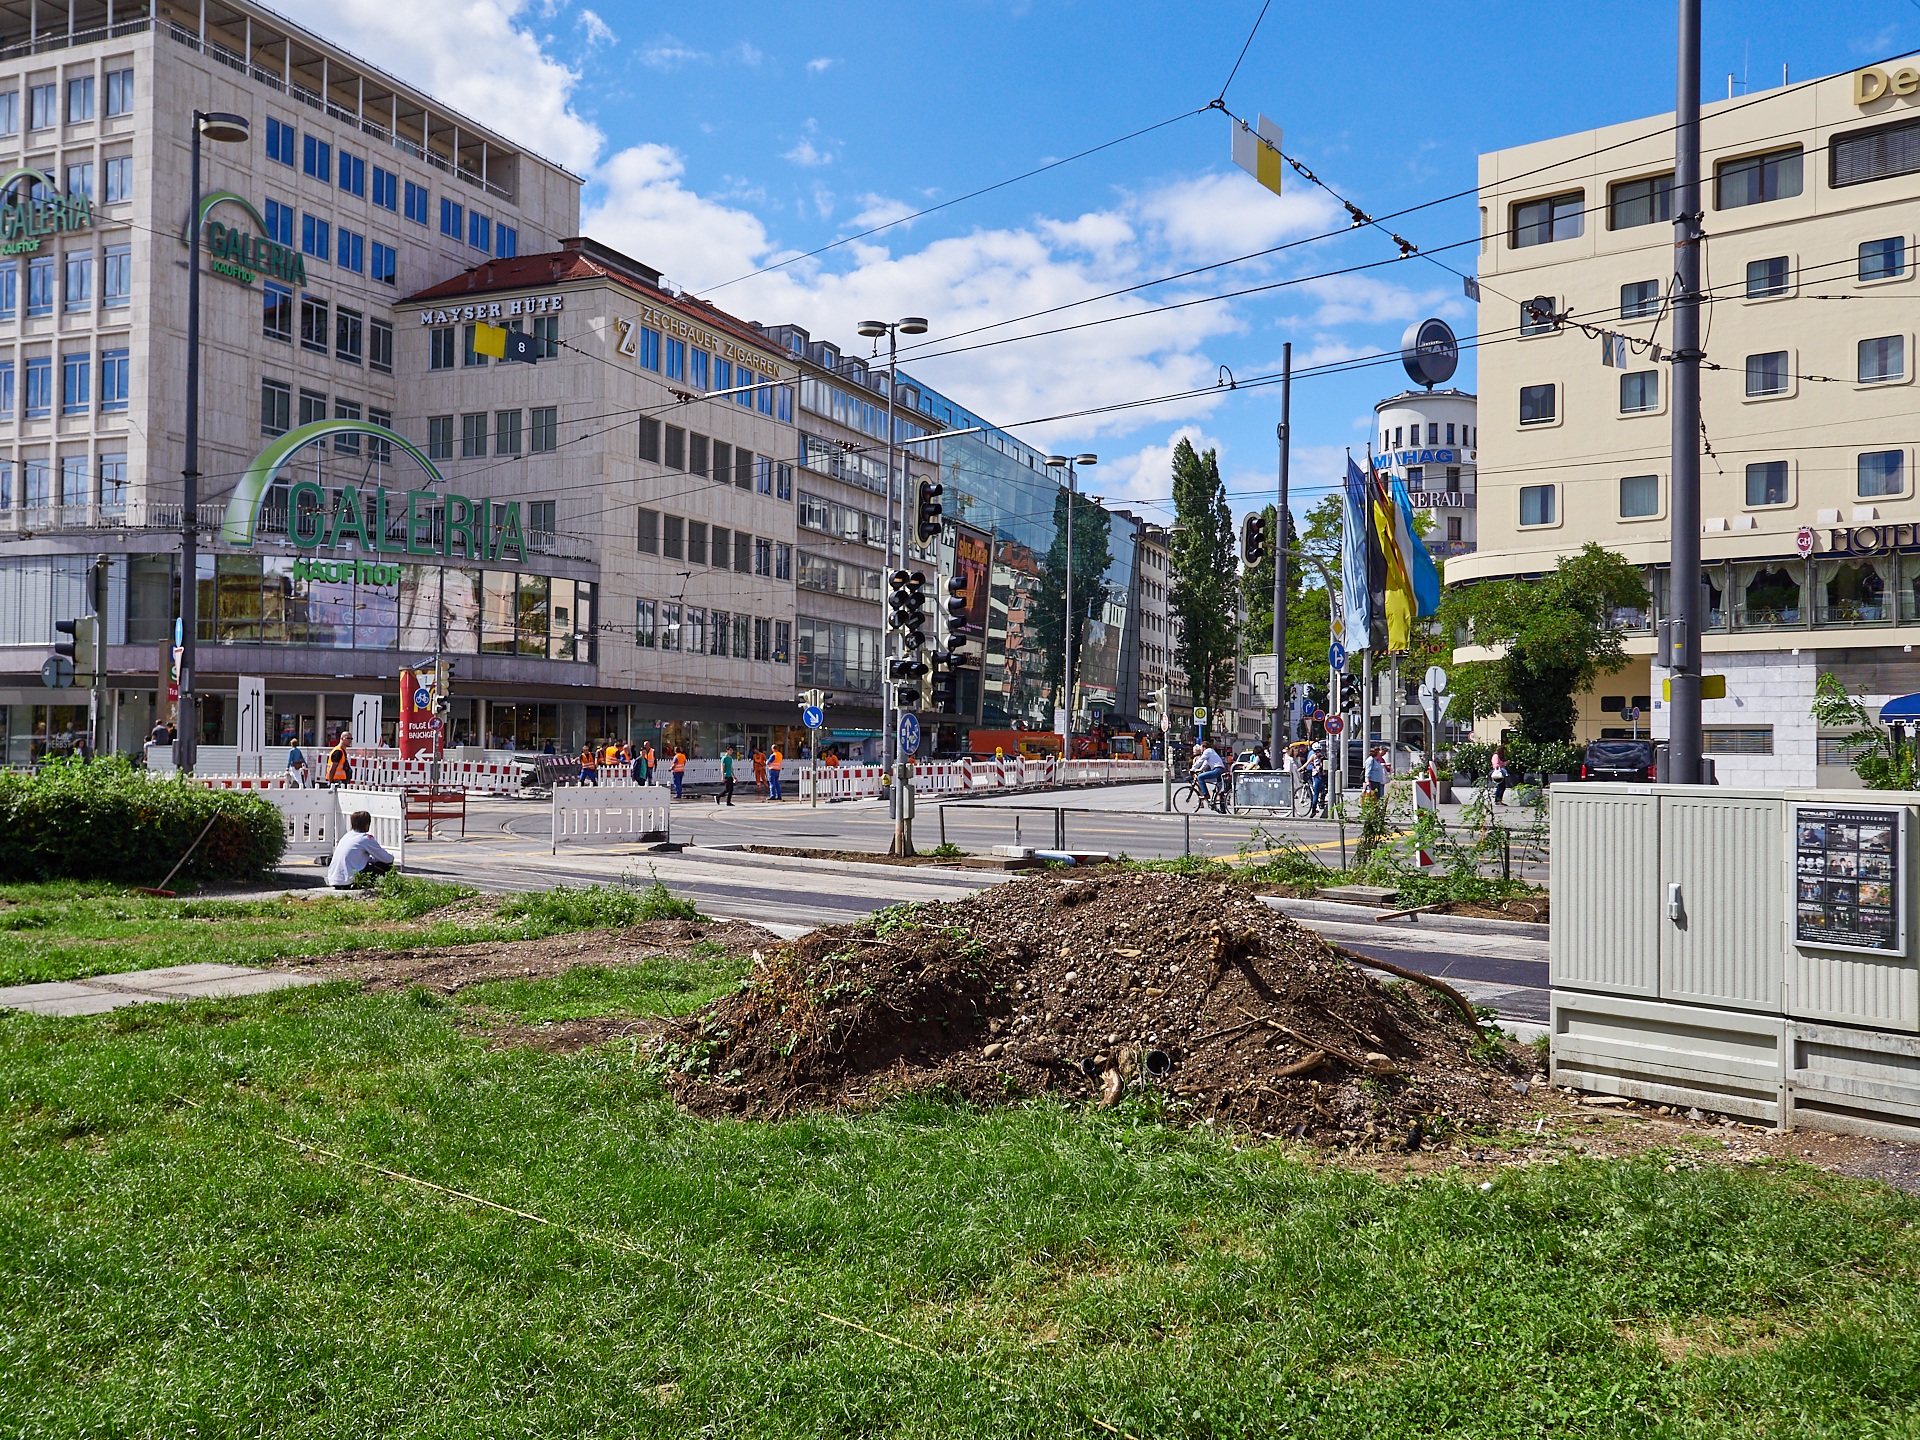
<point x="1881" y="762"/>
<point x="1471" y="761"/>
<point x="1557" y="633"/>
<point x="407" y="897"/>
<point x="1557" y="757"/>
<point x="1373" y="825"/>
<point x="947" y="850"/>
<point x="1203" y="572"/>
<point x="597" y="907"/>
<point x="1092" y="554"/>
<point x="1467" y="855"/>
<point x="1309" y="616"/>
<point x="103" y="819"/>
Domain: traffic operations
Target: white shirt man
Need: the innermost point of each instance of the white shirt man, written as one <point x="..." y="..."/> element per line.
<point x="356" y="851"/>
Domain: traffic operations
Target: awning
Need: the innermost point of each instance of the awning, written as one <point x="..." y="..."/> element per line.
<point x="1901" y="707"/>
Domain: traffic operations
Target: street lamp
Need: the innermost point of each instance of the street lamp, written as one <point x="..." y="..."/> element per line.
<point x="231" y="130"/>
<point x="889" y="725"/>
<point x="1057" y="462"/>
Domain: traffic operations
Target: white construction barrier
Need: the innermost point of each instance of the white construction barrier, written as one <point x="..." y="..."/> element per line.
<point x="316" y="819"/>
<point x="389" y="811"/>
<point x="630" y="812"/>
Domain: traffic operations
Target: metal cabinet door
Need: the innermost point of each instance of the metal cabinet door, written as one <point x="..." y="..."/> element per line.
<point x="1606" y="892"/>
<point x="1729" y="859"/>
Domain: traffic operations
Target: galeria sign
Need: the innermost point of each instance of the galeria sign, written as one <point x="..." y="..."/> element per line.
<point x="430" y="523"/>
<point x="23" y="223"/>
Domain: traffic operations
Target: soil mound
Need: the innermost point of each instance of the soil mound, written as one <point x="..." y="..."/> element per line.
<point x="1185" y="987"/>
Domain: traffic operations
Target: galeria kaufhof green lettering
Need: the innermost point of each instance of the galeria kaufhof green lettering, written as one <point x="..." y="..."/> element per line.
<point x="430" y="523"/>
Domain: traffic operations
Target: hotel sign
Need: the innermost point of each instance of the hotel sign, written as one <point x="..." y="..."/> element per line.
<point x="1873" y="539"/>
<point x="1442" y="500"/>
<point x="24" y="223"/>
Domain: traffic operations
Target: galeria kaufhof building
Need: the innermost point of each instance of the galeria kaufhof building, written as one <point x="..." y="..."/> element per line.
<point x="607" y="544"/>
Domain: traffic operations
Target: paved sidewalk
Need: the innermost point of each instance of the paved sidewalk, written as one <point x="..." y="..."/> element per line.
<point x="98" y="993"/>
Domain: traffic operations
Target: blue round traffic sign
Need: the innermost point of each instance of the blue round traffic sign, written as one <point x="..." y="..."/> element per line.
<point x="1337" y="657"/>
<point x="813" y="717"/>
<point x="909" y="733"/>
<point x="1335" y="724"/>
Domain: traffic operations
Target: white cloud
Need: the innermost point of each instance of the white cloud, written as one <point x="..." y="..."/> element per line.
<point x="879" y="210"/>
<point x="645" y="210"/>
<point x="1145" y="477"/>
<point x="805" y="154"/>
<point x="815" y="67"/>
<point x="746" y="54"/>
<point x="469" y="53"/>
<point x="597" y="30"/>
<point x="1212" y="215"/>
<point x="668" y="53"/>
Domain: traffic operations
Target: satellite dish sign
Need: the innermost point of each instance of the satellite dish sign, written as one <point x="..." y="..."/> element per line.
<point x="1430" y="352"/>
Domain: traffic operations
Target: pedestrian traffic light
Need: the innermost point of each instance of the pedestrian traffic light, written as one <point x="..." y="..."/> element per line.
<point x="907" y="607"/>
<point x="82" y="650"/>
<point x="1253" y="540"/>
<point x="930" y="510"/>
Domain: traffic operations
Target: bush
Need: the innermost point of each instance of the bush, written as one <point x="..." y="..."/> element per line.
<point x="596" y="907"/>
<point x="102" y="819"/>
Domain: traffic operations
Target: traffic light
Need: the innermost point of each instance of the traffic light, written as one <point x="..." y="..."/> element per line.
<point x="930" y="510"/>
<point x="907" y="607"/>
<point x="956" y="604"/>
<point x="943" y="683"/>
<point x="911" y="668"/>
<point x="82" y="650"/>
<point x="905" y="697"/>
<point x="1253" y="540"/>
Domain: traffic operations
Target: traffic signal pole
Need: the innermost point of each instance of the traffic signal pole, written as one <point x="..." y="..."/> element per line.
<point x="1279" y="543"/>
<point x="1680" y="632"/>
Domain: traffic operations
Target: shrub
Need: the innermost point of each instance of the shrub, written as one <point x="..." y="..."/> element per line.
<point x="596" y="907"/>
<point x="102" y="819"/>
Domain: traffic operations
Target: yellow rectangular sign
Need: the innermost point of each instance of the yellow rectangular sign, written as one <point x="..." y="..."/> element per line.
<point x="1712" y="687"/>
<point x="1257" y="151"/>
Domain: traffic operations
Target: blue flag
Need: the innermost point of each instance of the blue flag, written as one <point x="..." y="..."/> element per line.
<point x="1355" y="596"/>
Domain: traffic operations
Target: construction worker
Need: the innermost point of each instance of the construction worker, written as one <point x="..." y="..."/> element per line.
<point x="646" y="761"/>
<point x="339" y="772"/>
<point x="679" y="771"/>
<point x="760" y="771"/>
<point x="589" y="765"/>
<point x="773" y="774"/>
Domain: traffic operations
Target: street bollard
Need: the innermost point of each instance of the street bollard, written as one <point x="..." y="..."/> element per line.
<point x="1059" y="829"/>
<point x="943" y="824"/>
<point x="1186" y="826"/>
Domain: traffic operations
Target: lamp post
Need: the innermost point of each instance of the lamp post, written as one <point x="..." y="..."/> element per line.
<point x="230" y="129"/>
<point x="889" y="724"/>
<point x="1068" y="463"/>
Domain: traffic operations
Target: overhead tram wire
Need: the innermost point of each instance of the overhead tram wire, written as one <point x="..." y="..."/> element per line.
<point x="1243" y="52"/>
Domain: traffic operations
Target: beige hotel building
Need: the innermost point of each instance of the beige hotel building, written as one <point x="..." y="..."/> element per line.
<point x="1811" y="525"/>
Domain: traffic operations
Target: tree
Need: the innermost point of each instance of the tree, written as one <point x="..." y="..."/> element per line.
<point x="1203" y="565"/>
<point x="1556" y="633"/>
<point x="1309" y="619"/>
<point x="1880" y="760"/>
<point x="1092" y="554"/>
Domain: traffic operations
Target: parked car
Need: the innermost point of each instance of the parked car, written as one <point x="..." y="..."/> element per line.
<point x="1618" y="760"/>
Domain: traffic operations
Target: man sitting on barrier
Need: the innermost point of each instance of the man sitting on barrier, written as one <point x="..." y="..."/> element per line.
<point x="357" y="854"/>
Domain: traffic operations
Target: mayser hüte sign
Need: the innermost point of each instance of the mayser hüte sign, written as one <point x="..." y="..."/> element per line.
<point x="26" y="220"/>
<point x="377" y="521"/>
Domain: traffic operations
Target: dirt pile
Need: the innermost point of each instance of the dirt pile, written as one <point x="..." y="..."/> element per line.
<point x="1189" y="988"/>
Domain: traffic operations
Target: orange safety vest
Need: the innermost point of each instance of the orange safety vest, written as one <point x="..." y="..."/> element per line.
<point x="679" y="762"/>
<point x="588" y="761"/>
<point x="612" y="755"/>
<point x="773" y="760"/>
<point x="337" y="771"/>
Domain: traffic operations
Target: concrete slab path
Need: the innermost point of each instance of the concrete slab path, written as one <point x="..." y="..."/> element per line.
<point x="98" y="993"/>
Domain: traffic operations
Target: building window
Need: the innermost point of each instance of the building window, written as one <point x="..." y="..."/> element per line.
<point x="80" y="180"/>
<point x="1640" y="392"/>
<point x="450" y="216"/>
<point x="346" y="442"/>
<point x="762" y="639"/>
<point x="1883" y="259"/>
<point x="379" y="449"/>
<point x="442" y="356"/>
<point x="676" y="456"/>
<point x="742" y="553"/>
<point x="506" y="433"/>
<point x="648" y="539"/>
<point x="1536" y="504"/>
<point x="79" y="99"/>
<point x="540" y="522"/>
<point x="669" y="625"/>
<point x="643" y="623"/>
<point x="380" y="346"/>
<point x="39" y="387"/>
<point x="276" y="407"/>
<point x="1881" y="473"/>
<point x="1737" y="740"/>
<point x="544" y="431"/>
<point x="113" y="481"/>
<point x="1536" y="318"/>
<point x="313" y="407"/>
<point x="473" y="436"/>
<point x="673" y="538"/>
<point x="1455" y="531"/>
<point x="649" y="439"/>
<point x="1756" y="179"/>
<point x="676" y="358"/>
<point x="315" y="334"/>
<point x="1540" y="222"/>
<point x="116" y="277"/>
<point x="79" y="282"/>
<point x="696" y="542"/>
<point x="479" y="231"/>
<point x="7" y="396"/>
<point x="119" y="179"/>
<point x="386" y="189"/>
<point x="1768" y="277"/>
<point x="698" y="367"/>
<point x="1768" y="374"/>
<point x="649" y="349"/>
<point x="386" y="264"/>
<point x="470" y="357"/>
<point x="352" y="251"/>
<point x="316" y="237"/>
<point x="1639" y="496"/>
<point x="763" y="557"/>
<point x="349" y="335"/>
<point x="1640" y="300"/>
<point x="115" y="377"/>
<point x="279" y="220"/>
<point x="40" y="282"/>
<point x="353" y="174"/>
<point x="546" y="330"/>
<point x="440" y="437"/>
<point x="1633" y="203"/>
<point x="43" y="103"/>
<point x="506" y="242"/>
<point x="1536" y="404"/>
<point x="1767" y="482"/>
<point x="280" y="140"/>
<point x="742" y="636"/>
<point x="416" y="210"/>
<point x="783" y="562"/>
<point x="1874" y="154"/>
<point x="318" y="158"/>
<point x="76" y="384"/>
<point x="119" y="92"/>
<point x="9" y="289"/>
<point x="1883" y="359"/>
<point x="696" y="454"/>
<point x="10" y="114"/>
<point x="276" y="314"/>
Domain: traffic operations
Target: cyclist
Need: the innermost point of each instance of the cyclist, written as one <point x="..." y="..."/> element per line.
<point x="1208" y="768"/>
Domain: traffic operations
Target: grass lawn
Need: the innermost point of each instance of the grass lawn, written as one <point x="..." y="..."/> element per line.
<point x="169" y="1268"/>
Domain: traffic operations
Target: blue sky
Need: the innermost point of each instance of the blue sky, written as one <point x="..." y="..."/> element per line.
<point x="719" y="140"/>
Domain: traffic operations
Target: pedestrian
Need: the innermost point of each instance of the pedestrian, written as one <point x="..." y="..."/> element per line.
<point x="1317" y="782"/>
<point x="1377" y="772"/>
<point x="589" y="766"/>
<point x="726" y="776"/>
<point x="296" y="767"/>
<point x="357" y="853"/>
<point x="339" y="767"/>
<point x="637" y="766"/>
<point x="833" y="760"/>
<point x="623" y="757"/>
<point x="760" y="772"/>
<point x="679" y="772"/>
<point x="1498" y="771"/>
<point x="773" y="774"/>
<point x="647" y="763"/>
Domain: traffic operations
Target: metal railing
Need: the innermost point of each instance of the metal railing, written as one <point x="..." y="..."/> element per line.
<point x="61" y="40"/>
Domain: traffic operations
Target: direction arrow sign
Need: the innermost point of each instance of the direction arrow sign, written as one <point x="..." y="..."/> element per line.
<point x="812" y="717"/>
<point x="1337" y="657"/>
<point x="909" y="733"/>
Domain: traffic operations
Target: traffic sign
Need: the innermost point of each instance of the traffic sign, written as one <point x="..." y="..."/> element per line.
<point x="1632" y="712"/>
<point x="1337" y="657"/>
<point x="813" y="717"/>
<point x="1335" y="724"/>
<point x="57" y="672"/>
<point x="909" y="733"/>
<point x="1199" y="714"/>
<point x="1436" y="679"/>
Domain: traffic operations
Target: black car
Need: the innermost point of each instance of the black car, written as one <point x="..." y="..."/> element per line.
<point x="1618" y="760"/>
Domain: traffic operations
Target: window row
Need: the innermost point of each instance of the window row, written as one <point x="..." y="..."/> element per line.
<point x="43" y="102"/>
<point x="834" y="656"/>
<point x="277" y="416"/>
<point x="71" y="391"/>
<point x="78" y="179"/>
<point x="1878" y="475"/>
<point x="697" y="368"/>
<point x="1391" y="439"/>
<point x="1748" y="180"/>
<point x="441" y="348"/>
<point x="859" y="412"/>
<point x="842" y="464"/>
<point x="72" y="482"/>
<point x="66" y="282"/>
<point x="1789" y="593"/>
<point x="322" y="240"/>
<point x="697" y="454"/>
<point x="677" y="538"/>
<point x="500" y="241"/>
<point x="696" y="630"/>
<point x="501" y="427"/>
<point x="345" y="333"/>
<point x="843" y="522"/>
<point x="837" y="577"/>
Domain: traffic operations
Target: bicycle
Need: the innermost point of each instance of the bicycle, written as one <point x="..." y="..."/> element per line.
<point x="1188" y="797"/>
